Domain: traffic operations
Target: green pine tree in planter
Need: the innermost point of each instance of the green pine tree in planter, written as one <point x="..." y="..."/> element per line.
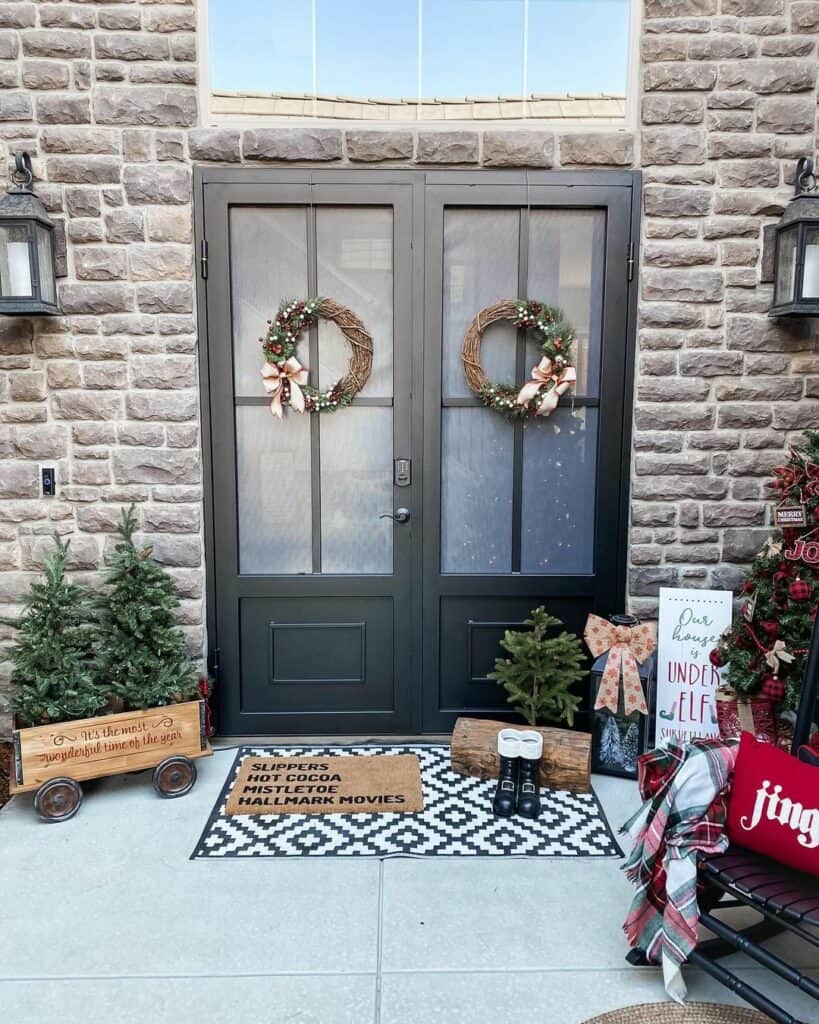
<point x="142" y="651"/>
<point x="542" y="668"/>
<point x="53" y="677"/>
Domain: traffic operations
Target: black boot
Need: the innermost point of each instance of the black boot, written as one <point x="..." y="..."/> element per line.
<point x="531" y="749"/>
<point x="506" y="794"/>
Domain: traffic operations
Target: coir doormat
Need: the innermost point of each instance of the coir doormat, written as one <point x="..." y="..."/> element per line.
<point x="456" y="819"/>
<point x="327" y="785"/>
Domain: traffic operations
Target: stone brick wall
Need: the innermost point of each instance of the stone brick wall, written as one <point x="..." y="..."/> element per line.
<point x="728" y="103"/>
<point x="103" y="95"/>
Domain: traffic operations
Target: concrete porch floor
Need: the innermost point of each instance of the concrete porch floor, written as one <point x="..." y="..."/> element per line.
<point x="107" y="921"/>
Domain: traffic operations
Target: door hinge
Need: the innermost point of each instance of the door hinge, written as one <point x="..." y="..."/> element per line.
<point x="214" y="664"/>
<point x="203" y="258"/>
<point x="629" y="261"/>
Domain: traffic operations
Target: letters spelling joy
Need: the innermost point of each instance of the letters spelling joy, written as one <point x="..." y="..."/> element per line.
<point x="801" y="819"/>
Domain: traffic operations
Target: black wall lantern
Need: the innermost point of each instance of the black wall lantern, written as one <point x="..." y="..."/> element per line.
<point x="796" y="256"/>
<point x="28" y="279"/>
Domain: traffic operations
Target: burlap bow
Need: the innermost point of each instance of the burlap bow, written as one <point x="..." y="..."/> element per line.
<point x="274" y="377"/>
<point x="627" y="645"/>
<point x="777" y="653"/>
<point x="542" y="374"/>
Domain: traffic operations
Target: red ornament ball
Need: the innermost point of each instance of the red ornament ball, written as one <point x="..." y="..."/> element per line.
<point x="770" y="626"/>
<point x="748" y="587"/>
<point x="773" y="688"/>
<point x="716" y="658"/>
<point x="799" y="590"/>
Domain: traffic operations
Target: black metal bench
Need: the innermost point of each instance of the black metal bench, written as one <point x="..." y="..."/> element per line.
<point x="786" y="900"/>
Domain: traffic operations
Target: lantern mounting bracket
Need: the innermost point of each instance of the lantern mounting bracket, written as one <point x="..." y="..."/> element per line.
<point x="22" y="175"/>
<point x="804" y="178"/>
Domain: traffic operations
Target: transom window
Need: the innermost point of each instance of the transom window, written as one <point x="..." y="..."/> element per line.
<point x="409" y="60"/>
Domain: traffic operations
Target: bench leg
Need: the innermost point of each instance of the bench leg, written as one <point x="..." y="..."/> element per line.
<point x="747" y="992"/>
<point x="744" y="944"/>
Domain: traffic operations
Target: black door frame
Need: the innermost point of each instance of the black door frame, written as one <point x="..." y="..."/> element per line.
<point x="429" y="189"/>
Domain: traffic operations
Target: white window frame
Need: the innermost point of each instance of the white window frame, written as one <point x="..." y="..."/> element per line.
<point x="628" y="123"/>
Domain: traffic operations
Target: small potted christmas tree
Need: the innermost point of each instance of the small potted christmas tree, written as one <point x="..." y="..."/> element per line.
<point x="541" y="670"/>
<point x="538" y="675"/>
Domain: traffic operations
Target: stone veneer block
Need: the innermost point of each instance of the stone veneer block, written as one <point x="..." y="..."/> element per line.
<point x="370" y="146"/>
<point x="443" y="147"/>
<point x="597" y="149"/>
<point x="292" y="144"/>
<point x="518" y="148"/>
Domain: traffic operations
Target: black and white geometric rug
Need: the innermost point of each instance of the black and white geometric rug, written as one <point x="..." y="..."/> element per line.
<point x="456" y="821"/>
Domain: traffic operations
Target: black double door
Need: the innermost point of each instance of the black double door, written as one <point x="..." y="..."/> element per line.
<point x="363" y="564"/>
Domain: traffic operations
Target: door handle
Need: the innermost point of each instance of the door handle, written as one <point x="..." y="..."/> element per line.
<point x="401" y="515"/>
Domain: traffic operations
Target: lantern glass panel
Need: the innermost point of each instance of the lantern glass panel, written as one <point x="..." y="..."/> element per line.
<point x="786" y="265"/>
<point x="15" y="261"/>
<point x="45" y="263"/>
<point x="810" y="275"/>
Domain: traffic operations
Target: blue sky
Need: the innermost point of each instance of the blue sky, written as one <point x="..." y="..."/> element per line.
<point x="370" y="47"/>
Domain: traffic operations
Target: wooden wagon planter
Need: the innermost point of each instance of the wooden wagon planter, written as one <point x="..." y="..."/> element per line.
<point x="52" y="760"/>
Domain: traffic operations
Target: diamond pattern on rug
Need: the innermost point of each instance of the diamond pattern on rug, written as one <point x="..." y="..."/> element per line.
<point x="457" y="820"/>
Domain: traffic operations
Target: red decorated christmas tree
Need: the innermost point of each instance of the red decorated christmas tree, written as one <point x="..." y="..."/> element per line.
<point x="766" y="646"/>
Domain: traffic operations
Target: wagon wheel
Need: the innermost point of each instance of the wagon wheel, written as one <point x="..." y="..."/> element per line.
<point x="58" y="799"/>
<point x="175" y="776"/>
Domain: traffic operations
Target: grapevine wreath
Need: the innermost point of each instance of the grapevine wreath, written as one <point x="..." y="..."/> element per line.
<point x="285" y="379"/>
<point x="552" y="376"/>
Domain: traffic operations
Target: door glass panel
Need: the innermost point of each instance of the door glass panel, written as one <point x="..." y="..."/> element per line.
<point x="480" y="267"/>
<point x="273" y="480"/>
<point x="566" y="264"/>
<point x="476" y="491"/>
<point x="356" y="488"/>
<point x="559" y="472"/>
<point x="354" y="249"/>
<point x="268" y="253"/>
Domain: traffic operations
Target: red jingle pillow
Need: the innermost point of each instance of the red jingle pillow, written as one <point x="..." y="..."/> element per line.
<point x="774" y="805"/>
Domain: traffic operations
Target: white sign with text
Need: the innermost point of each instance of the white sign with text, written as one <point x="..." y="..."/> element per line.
<point x="691" y="622"/>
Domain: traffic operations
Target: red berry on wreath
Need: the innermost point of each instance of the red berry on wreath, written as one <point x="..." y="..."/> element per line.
<point x="770" y="626"/>
<point x="747" y="587"/>
<point x="716" y="658"/>
<point x="773" y="688"/>
<point x="800" y="590"/>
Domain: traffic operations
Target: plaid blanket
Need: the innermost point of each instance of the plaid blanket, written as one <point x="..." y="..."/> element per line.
<point x="684" y="813"/>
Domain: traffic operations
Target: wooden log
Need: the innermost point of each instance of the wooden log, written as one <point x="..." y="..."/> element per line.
<point x="566" y="762"/>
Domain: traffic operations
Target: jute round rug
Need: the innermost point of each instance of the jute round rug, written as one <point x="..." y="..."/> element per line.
<point x="672" y="1013"/>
